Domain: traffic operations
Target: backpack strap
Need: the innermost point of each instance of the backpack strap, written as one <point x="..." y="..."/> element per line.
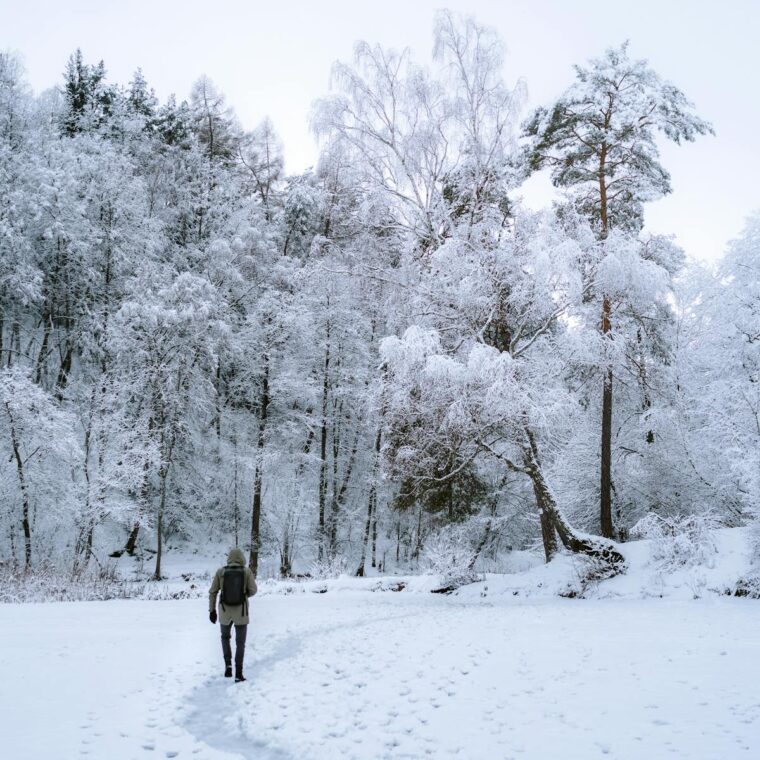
<point x="221" y="590"/>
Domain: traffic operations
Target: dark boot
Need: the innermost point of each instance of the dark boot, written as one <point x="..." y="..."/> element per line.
<point x="239" y="676"/>
<point x="228" y="671"/>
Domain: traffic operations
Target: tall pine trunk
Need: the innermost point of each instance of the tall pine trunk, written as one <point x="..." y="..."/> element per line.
<point x="259" y="472"/>
<point x="605" y="475"/>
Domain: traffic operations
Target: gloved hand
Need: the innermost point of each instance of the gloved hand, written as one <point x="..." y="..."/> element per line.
<point x="212" y="616"/>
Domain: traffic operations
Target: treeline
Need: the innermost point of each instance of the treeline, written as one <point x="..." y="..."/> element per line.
<point x="338" y="366"/>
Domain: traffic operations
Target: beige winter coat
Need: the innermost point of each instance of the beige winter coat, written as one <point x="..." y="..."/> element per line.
<point x="237" y="614"/>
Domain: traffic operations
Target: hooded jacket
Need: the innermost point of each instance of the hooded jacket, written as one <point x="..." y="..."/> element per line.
<point x="237" y="614"/>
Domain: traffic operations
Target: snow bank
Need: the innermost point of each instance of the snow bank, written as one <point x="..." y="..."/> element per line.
<point x="730" y="571"/>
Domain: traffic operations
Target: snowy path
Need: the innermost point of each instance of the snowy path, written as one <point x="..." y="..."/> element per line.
<point x="371" y="676"/>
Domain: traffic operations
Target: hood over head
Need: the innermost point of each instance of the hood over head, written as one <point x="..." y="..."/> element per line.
<point x="236" y="557"/>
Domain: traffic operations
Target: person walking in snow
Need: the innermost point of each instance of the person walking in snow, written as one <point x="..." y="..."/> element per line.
<point x="237" y="584"/>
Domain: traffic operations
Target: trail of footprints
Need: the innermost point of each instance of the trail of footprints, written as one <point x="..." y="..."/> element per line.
<point x="351" y="708"/>
<point x="102" y="742"/>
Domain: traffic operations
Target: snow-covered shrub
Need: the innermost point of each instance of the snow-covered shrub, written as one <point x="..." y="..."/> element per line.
<point x="678" y="542"/>
<point x="330" y="567"/>
<point x="754" y="539"/>
<point x="749" y="585"/>
<point x="450" y="554"/>
<point x="46" y="583"/>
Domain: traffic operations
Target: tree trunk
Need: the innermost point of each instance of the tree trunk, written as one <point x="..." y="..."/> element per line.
<point x="371" y="503"/>
<point x="217" y="423"/>
<point x="167" y="453"/>
<point x="332" y="516"/>
<point x="367" y="528"/>
<point x="374" y="534"/>
<point x="43" y="350"/>
<point x="236" y="513"/>
<point x="81" y="548"/>
<point x="548" y="533"/>
<point x="605" y="479"/>
<point x="339" y="497"/>
<point x="131" y="544"/>
<point x="259" y="474"/>
<point x="418" y="541"/>
<point x="606" y="468"/>
<point x="547" y="505"/>
<point x="25" y="524"/>
<point x="323" y="452"/>
<point x="482" y="543"/>
<point x="160" y="526"/>
<point x="291" y="527"/>
<point x="14" y="342"/>
<point x="286" y="565"/>
<point x="646" y="404"/>
<point x="63" y="373"/>
<point x="129" y="547"/>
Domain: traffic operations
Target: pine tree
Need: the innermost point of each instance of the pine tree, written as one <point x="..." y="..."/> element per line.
<point x="598" y="140"/>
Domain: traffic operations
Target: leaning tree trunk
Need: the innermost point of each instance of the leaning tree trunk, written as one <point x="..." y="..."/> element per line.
<point x="547" y="505"/>
<point x="142" y="506"/>
<point x="484" y="539"/>
<point x="131" y="544"/>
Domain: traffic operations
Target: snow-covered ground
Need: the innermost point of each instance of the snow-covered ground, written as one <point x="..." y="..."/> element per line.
<point x="652" y="664"/>
<point x="357" y="674"/>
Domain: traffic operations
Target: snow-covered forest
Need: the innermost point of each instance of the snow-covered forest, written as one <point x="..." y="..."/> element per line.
<point x="491" y="454"/>
<point x="386" y="363"/>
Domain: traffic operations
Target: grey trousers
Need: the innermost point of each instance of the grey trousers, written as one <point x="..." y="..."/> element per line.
<point x="240" y="633"/>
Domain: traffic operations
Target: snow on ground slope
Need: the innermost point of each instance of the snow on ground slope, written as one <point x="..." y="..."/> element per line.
<point x="384" y="675"/>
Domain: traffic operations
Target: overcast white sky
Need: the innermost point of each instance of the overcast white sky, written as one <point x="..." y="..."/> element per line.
<point x="274" y="58"/>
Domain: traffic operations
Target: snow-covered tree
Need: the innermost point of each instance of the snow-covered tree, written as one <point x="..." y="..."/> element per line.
<point x="39" y="454"/>
<point x="599" y="141"/>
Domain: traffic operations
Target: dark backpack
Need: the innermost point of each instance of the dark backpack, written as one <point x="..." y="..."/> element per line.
<point x="233" y="585"/>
